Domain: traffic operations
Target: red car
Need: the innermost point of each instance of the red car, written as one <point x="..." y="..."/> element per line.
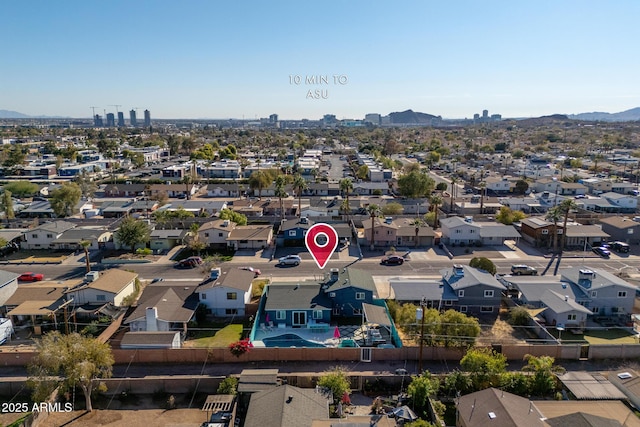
<point x="30" y="277"/>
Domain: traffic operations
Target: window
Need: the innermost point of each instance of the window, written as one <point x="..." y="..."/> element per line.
<point x="488" y="294"/>
<point x="460" y="293"/>
<point x="458" y="231"/>
<point x="49" y="236"/>
<point x="622" y="294"/>
<point x="472" y="231"/>
<point x="35" y="236"/>
<point x="206" y="234"/>
<point x="203" y="296"/>
<point x="336" y="311"/>
<point x="232" y="295"/>
<point x="292" y="233"/>
<point x="231" y="311"/>
<point x="544" y="231"/>
<point x="595" y="310"/>
<point x="594" y="294"/>
<point x="359" y="295"/>
<point x="486" y="309"/>
<point x="317" y="314"/>
<point x="101" y="297"/>
<point x="463" y="309"/>
<point x="219" y="234"/>
<point x="448" y="302"/>
<point x="572" y="316"/>
<point x="281" y="315"/>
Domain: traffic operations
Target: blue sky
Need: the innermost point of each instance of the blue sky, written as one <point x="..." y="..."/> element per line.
<point x="221" y="59"/>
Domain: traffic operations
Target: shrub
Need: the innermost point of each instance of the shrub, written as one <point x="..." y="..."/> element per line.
<point x="241" y="347"/>
<point x="144" y="251"/>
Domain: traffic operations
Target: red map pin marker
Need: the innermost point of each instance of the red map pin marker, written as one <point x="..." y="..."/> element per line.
<point x="321" y="240"/>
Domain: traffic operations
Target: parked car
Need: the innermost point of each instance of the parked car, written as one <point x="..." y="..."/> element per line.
<point x="620" y="247"/>
<point x="290" y="260"/>
<point x="30" y="277"/>
<point x="523" y="270"/>
<point x="392" y="260"/>
<point x="604" y="253"/>
<point x="255" y="271"/>
<point x="191" y="262"/>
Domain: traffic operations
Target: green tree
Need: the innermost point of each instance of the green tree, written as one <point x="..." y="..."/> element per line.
<point x="133" y="232"/>
<point x="441" y="186"/>
<point x="87" y="186"/>
<point x="421" y="388"/>
<point x="22" y="188"/>
<point x="417" y="224"/>
<point x="415" y="184"/>
<point x="519" y="316"/>
<point x="435" y="201"/>
<point x="65" y="198"/>
<point x="485" y="366"/>
<point x="374" y="211"/>
<point x="508" y="216"/>
<point x="259" y="180"/>
<point x="280" y="193"/>
<point x="233" y="216"/>
<point x="566" y="206"/>
<point x="544" y="370"/>
<point x="228" y="385"/>
<point x="419" y="423"/>
<point x="554" y="215"/>
<point x="457" y="329"/>
<point x="521" y="186"/>
<point x="392" y="208"/>
<point x="483" y="263"/>
<point x="7" y="205"/>
<point x="69" y="361"/>
<point x="15" y="156"/>
<point x="363" y="172"/>
<point x="337" y="381"/>
<point x="299" y="184"/>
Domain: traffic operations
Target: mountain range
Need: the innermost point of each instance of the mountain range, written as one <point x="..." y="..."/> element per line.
<point x="623" y="116"/>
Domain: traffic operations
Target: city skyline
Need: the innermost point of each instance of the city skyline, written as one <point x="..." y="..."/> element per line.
<point x="205" y="59"/>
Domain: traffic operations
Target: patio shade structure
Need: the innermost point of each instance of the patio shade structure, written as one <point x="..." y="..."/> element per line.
<point x="405" y="413"/>
<point x="336" y="332"/>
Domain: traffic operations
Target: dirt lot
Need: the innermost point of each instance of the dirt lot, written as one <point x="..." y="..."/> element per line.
<point x="128" y="418"/>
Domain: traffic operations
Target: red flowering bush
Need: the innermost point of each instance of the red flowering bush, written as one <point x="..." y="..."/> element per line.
<point x="241" y="347"/>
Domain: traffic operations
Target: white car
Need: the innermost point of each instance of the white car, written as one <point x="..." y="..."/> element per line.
<point x="290" y="260"/>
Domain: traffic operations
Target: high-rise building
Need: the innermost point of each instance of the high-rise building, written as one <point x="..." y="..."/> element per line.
<point x="273" y="118"/>
<point x="485" y="114"/>
<point x="111" y="120"/>
<point x="373" y="118"/>
<point x="120" y="119"/>
<point x="132" y="118"/>
<point x="147" y="118"/>
<point x="97" y="121"/>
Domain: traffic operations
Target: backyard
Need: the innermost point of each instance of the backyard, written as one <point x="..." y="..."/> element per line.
<point x="206" y="337"/>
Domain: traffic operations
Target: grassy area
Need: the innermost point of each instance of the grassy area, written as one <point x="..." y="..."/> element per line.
<point x="27" y="256"/>
<point x="598" y="336"/>
<point x="219" y="255"/>
<point x="224" y="337"/>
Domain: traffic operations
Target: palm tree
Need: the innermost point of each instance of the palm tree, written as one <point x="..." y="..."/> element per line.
<point x="300" y="184"/>
<point x="417" y="223"/>
<point x="187" y="182"/>
<point x="346" y="187"/>
<point x="483" y="187"/>
<point x="345" y="209"/>
<point x="554" y="215"/>
<point x="85" y="246"/>
<point x="566" y="206"/>
<point x="280" y="183"/>
<point x="435" y="201"/>
<point x="454" y="180"/>
<point x="374" y="211"/>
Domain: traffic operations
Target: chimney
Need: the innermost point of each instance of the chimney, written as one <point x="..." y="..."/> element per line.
<point x="152" y="319"/>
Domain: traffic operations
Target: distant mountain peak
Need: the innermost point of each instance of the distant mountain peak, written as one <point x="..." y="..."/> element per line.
<point x="9" y="114"/>
<point x="623" y="116"/>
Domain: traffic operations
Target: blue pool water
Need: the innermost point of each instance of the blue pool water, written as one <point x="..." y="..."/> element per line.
<point x="289" y="340"/>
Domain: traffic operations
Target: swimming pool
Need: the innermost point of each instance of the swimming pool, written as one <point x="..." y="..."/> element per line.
<point x="289" y="340"/>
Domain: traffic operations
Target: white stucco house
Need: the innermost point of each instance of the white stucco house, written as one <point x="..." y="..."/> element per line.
<point x="228" y="294"/>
